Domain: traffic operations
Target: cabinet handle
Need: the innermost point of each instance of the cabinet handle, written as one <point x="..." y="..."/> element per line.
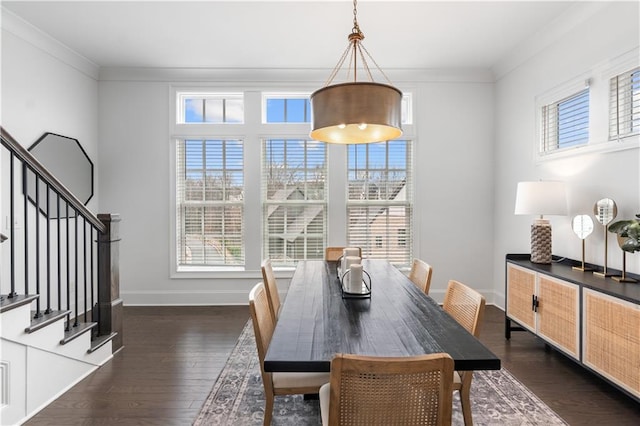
<point x="533" y="302"/>
<point x="536" y="303"/>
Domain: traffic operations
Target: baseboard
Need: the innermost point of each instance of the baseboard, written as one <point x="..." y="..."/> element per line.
<point x="184" y="298"/>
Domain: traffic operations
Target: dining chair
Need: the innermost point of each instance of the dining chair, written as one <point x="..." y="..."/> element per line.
<point x="276" y="383"/>
<point x="332" y="254"/>
<point x="466" y="306"/>
<point x="366" y="390"/>
<point x="269" y="279"/>
<point x="420" y="274"/>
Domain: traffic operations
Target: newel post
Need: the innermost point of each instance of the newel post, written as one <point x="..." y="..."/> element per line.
<point x="109" y="301"/>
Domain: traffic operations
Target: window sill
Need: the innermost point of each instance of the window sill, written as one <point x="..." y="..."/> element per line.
<point x="631" y="142"/>
<point x="222" y="272"/>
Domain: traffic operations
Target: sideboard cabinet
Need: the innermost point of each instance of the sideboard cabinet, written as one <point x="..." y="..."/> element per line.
<point x="595" y="321"/>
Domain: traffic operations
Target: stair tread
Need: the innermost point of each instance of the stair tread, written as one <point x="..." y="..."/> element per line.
<point x="100" y="341"/>
<point x="77" y="331"/>
<point x="9" y="303"/>
<point x="45" y="319"/>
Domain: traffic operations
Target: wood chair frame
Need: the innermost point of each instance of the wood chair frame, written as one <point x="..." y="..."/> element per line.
<point x="466" y="306"/>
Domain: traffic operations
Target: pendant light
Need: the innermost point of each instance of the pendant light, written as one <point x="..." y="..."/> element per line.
<point x="356" y="111"/>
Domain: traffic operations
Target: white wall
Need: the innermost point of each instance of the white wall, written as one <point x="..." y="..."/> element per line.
<point x="453" y="181"/>
<point x="45" y="88"/>
<point x="595" y="45"/>
<point x="454" y="193"/>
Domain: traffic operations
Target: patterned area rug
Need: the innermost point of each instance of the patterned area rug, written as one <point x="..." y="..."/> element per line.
<point x="237" y="398"/>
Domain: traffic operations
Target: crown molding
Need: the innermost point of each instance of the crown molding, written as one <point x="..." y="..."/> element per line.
<point x="285" y="76"/>
<point x="40" y="40"/>
<point x="546" y="36"/>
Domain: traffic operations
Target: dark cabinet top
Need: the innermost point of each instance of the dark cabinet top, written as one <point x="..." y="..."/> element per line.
<point x="315" y="322"/>
<point x="562" y="268"/>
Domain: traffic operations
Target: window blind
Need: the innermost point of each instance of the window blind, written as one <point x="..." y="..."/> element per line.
<point x="624" y="105"/>
<point x="209" y="202"/>
<point x="380" y="205"/>
<point x="294" y="200"/>
<point x="565" y="123"/>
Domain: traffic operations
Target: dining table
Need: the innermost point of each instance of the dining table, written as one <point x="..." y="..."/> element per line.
<point x="396" y="319"/>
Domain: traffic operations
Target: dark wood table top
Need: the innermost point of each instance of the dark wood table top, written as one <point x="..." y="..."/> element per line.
<point x="315" y="322"/>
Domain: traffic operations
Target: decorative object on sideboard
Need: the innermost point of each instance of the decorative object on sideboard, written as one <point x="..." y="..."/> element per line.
<point x="605" y="210"/>
<point x="582" y="225"/>
<point x="540" y="198"/>
<point x="628" y="234"/>
<point x="356" y="111"/>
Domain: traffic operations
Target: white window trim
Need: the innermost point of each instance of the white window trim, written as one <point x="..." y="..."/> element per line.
<point x="598" y="79"/>
<point x="555" y="96"/>
<point x="622" y="64"/>
<point x="252" y="132"/>
<point x="180" y="130"/>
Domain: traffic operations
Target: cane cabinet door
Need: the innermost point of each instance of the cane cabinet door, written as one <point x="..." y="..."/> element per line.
<point x="521" y="289"/>
<point x="558" y="309"/>
<point x="611" y="339"/>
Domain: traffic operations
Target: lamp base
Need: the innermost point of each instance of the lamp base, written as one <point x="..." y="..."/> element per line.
<point x="541" y="241"/>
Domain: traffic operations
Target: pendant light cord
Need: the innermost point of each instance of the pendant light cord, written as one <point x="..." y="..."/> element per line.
<point x="356" y="48"/>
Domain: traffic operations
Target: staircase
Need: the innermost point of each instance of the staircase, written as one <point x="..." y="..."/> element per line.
<point x="60" y="309"/>
<point x="40" y="360"/>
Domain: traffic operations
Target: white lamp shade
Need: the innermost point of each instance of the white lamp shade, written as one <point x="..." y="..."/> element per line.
<point x="540" y="198"/>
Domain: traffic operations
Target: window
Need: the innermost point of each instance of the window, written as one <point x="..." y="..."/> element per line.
<point x="287" y="108"/>
<point x="249" y="184"/>
<point x="407" y="108"/>
<point x="294" y="194"/>
<point x="565" y="123"/>
<point x="624" y="105"/>
<point x="211" y="108"/>
<point x="209" y="198"/>
<point x="379" y="205"/>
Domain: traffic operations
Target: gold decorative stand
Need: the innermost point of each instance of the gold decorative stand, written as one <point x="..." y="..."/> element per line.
<point x="623" y="278"/>
<point x="583" y="267"/>
<point x="605" y="211"/>
<point x="582" y="226"/>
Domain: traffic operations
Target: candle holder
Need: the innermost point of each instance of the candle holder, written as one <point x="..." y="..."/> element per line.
<point x="349" y="292"/>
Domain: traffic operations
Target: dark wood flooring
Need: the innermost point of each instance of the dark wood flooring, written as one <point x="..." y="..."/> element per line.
<point x="173" y="355"/>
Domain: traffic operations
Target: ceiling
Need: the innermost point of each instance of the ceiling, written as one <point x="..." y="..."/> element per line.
<point x="289" y="34"/>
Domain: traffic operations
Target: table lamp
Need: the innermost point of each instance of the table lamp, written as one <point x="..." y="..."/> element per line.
<point x="541" y="198"/>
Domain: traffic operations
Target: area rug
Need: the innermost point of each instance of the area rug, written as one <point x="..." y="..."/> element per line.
<point x="237" y="397"/>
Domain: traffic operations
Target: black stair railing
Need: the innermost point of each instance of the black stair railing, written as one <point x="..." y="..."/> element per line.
<point x="64" y="253"/>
